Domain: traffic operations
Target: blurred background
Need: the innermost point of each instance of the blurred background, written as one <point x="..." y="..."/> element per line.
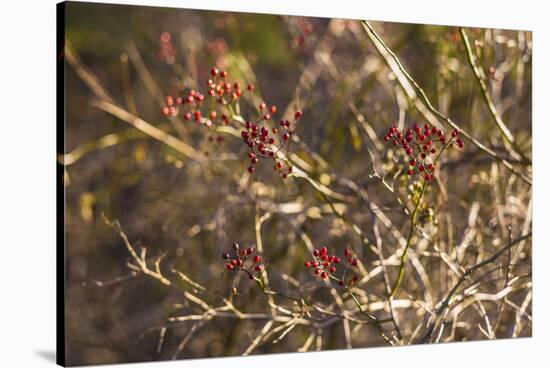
<point x="190" y="212"/>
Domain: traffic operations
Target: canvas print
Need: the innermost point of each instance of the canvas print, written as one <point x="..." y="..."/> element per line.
<point x="236" y="183"/>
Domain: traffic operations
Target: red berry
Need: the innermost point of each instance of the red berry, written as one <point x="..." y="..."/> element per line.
<point x="332" y="270"/>
<point x="229" y="266"/>
<point x="286" y="136"/>
<point x="323" y="275"/>
<point x="355" y="278"/>
<point x="307" y="263"/>
<point x="214" y="71"/>
<point x="315" y="252"/>
<point x="258" y="268"/>
<point x="273" y="109"/>
<point x="251" y="169"/>
<point x="257" y="258"/>
<point x="250" y="87"/>
<point x="297" y="115"/>
<point x="262" y="106"/>
<point x="223" y="74"/>
<point x="409" y="172"/>
<point x="346" y="252"/>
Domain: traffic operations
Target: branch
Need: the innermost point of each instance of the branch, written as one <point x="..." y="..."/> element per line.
<point x="398" y="68"/>
<point x="490" y="105"/>
<point x="463" y="278"/>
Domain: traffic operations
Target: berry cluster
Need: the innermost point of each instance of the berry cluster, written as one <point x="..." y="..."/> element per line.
<point x="422" y="147"/>
<point x="238" y="262"/>
<point x="262" y="136"/>
<point x="324" y="265"/>
<point x="301" y="29"/>
<point x="264" y="141"/>
<point x="166" y="52"/>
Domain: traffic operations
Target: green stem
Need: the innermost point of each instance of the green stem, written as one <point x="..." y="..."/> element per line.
<point x="408" y="244"/>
